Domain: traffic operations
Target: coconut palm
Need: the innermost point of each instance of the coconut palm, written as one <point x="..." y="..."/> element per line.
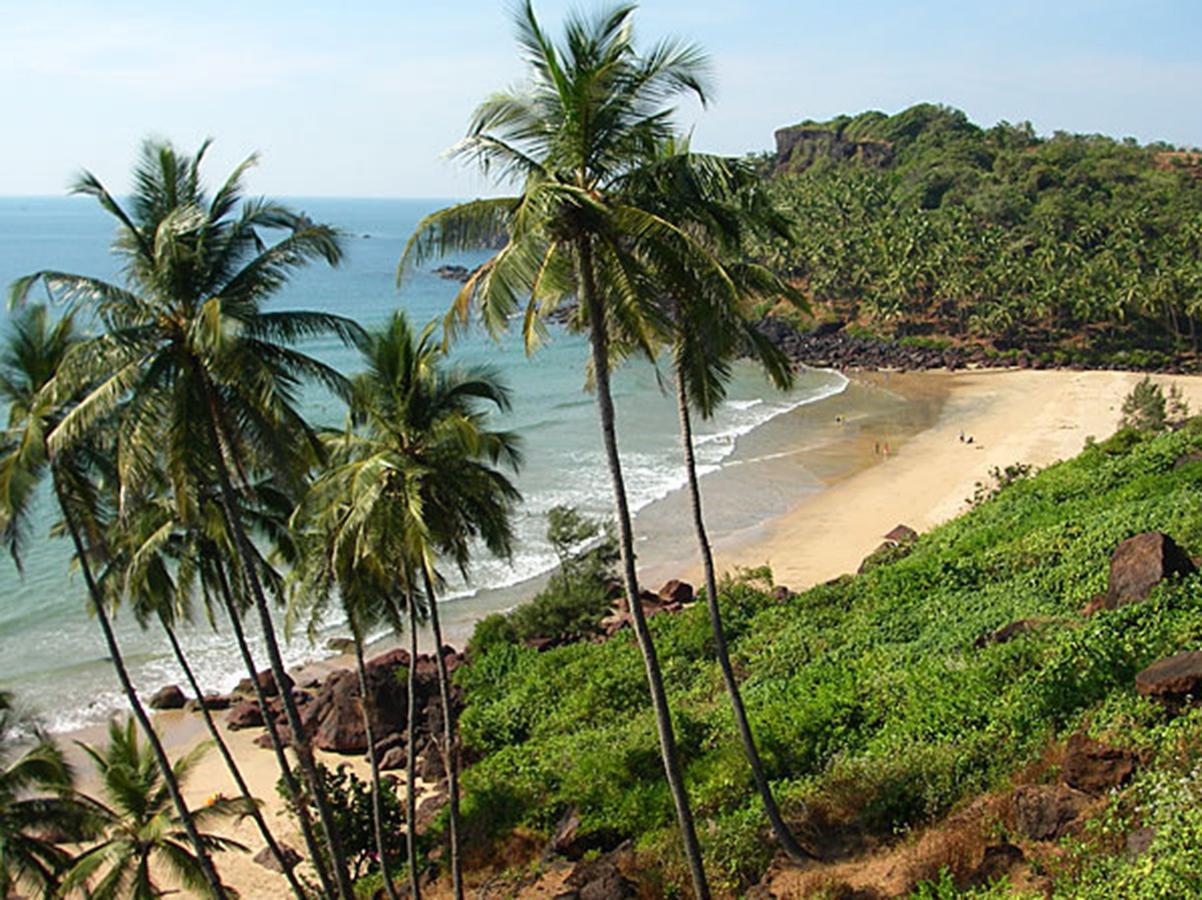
<point x="712" y="324"/>
<point x="206" y="380"/>
<point x="412" y="479"/>
<point x="370" y="591"/>
<point x="591" y="112"/>
<point x="38" y="809"/>
<point x="34" y="356"/>
<point x="138" y="826"/>
<point x="156" y="565"/>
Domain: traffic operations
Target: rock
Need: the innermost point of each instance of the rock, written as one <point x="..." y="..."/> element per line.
<point x="245" y="715"/>
<point x="388" y="742"/>
<point x="340" y="645"/>
<point x="564" y="839"/>
<point x="676" y="591"/>
<point x="169" y="697"/>
<point x="1172" y="680"/>
<point x="453" y="273"/>
<point x="599" y="879"/>
<point x="902" y="534"/>
<point x="393" y="758"/>
<point x="430" y="766"/>
<point x="996" y="863"/>
<point x="1006" y="633"/>
<point x="782" y="594"/>
<point x="1140" y="563"/>
<point x="1139" y="841"/>
<point x="427" y="811"/>
<point x="1044" y="812"/>
<point x="267" y="859"/>
<point x="266" y="681"/>
<point x="212" y="702"/>
<point x="397" y="658"/>
<point x="264" y="740"/>
<point x="1094" y="767"/>
<point x="334" y="717"/>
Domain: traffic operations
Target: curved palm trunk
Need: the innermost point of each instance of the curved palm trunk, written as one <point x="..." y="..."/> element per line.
<point x="277" y="744"/>
<point x="411" y="754"/>
<point x="300" y="740"/>
<point x="599" y="341"/>
<point x="377" y="808"/>
<point x="131" y="694"/>
<point x="450" y="747"/>
<point x="783" y="835"/>
<point x="232" y="765"/>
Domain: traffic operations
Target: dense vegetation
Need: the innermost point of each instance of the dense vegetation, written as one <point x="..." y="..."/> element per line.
<point x="871" y="703"/>
<point x="925" y="224"/>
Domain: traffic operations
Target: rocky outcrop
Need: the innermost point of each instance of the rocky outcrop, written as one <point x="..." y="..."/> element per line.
<point x="245" y="715"/>
<point x="454" y="273"/>
<point x="676" y="591"/>
<point x="267" y="683"/>
<point x="600" y="879"/>
<point x="800" y="146"/>
<point x="267" y="859"/>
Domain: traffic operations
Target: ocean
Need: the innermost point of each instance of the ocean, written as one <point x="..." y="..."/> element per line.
<point x="51" y="653"/>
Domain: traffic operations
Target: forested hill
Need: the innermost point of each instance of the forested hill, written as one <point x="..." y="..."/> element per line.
<point x="926" y="224"/>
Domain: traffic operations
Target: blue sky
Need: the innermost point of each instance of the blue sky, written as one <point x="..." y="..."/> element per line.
<point x="361" y="98"/>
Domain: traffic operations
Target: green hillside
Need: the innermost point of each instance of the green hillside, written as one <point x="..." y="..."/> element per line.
<point x="877" y="710"/>
<point x="924" y="223"/>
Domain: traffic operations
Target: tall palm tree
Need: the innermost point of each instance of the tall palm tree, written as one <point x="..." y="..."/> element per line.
<point x="194" y="361"/>
<point x="370" y="591"/>
<point x="415" y="477"/>
<point x="712" y="324"/>
<point x="591" y="112"/>
<point x="33" y="359"/>
<point x="155" y="564"/>
<point x="135" y="817"/>
<point x="37" y="808"/>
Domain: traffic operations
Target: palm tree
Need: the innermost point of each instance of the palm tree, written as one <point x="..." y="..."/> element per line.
<point x="37" y="808"/>
<point x="139" y="828"/>
<point x="718" y="201"/>
<point x="155" y="564"/>
<point x="413" y="478"/>
<point x="370" y="593"/>
<point x="592" y="111"/>
<point x="206" y="380"/>
<point x="33" y="359"/>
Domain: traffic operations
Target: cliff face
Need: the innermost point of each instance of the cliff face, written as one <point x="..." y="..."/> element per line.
<point x="800" y="146"/>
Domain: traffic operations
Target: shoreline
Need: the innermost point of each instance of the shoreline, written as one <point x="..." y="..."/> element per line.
<point x="1031" y="416"/>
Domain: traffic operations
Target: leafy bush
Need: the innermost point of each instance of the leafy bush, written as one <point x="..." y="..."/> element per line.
<point x="1147" y="409"/>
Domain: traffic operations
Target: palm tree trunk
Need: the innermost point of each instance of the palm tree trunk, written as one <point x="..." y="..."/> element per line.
<point x="783" y="835"/>
<point x="377" y="808"/>
<point x="599" y="341"/>
<point x="450" y="747"/>
<point x="300" y="740"/>
<point x="290" y="783"/>
<point x="411" y="754"/>
<point x="232" y="765"/>
<point x="131" y="694"/>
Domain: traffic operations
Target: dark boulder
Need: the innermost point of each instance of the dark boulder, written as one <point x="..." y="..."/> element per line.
<point x="267" y="683"/>
<point x="267" y="859"/>
<point x="1094" y="767"/>
<point x="393" y="758"/>
<point x="600" y="879"/>
<point x="781" y="594"/>
<point x="996" y="863"/>
<point x="1140" y="563"/>
<point x="245" y="715"/>
<point x="1172" y="680"/>
<point x="212" y="702"/>
<point x="1045" y="812"/>
<point x="169" y="697"/>
<point x="676" y="591"/>
<point x="902" y="534"/>
<point x="428" y="809"/>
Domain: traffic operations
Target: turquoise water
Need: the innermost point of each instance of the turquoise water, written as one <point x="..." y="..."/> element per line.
<point x="51" y="654"/>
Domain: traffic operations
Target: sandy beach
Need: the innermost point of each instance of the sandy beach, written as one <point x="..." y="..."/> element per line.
<point x="1027" y="416"/>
